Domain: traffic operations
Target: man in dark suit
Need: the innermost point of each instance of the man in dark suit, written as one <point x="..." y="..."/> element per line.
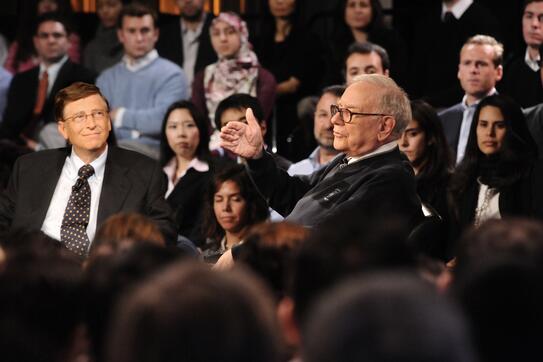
<point x="185" y="40"/>
<point x="41" y="192"/>
<point x="479" y="70"/>
<point x="30" y="97"/>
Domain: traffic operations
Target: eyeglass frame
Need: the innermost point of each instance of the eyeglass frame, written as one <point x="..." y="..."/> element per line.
<point x="337" y="109"/>
<point x="91" y="113"/>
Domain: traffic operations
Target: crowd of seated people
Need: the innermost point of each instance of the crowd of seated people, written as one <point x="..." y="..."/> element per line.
<point x="145" y="176"/>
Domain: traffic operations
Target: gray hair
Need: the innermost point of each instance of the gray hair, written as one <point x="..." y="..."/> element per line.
<point x="392" y="100"/>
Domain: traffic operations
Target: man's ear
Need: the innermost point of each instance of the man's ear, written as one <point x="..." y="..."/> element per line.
<point x="61" y="126"/>
<point x="386" y="126"/>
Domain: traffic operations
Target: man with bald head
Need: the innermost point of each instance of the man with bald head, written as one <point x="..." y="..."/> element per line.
<point x="369" y="173"/>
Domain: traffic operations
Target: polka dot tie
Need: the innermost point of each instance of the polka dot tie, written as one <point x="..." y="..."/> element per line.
<point x="73" y="231"/>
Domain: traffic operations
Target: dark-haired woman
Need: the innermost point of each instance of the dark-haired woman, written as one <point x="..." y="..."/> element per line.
<point x="500" y="175"/>
<point x="361" y="21"/>
<point x="233" y="206"/>
<point x="424" y="144"/>
<point x="184" y="156"/>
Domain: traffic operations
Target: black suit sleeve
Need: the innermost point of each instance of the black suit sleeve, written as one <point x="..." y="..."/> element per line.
<point x="7" y="201"/>
<point x="156" y="207"/>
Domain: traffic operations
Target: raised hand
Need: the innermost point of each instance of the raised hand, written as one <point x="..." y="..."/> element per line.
<point x="244" y="140"/>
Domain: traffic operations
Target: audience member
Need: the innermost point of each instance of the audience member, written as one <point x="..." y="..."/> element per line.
<point x="193" y="313"/>
<point x="22" y="55"/>
<point x="296" y="59"/>
<point x="521" y="77"/>
<point x="30" y="98"/>
<point x="322" y="130"/>
<point x="142" y="85"/>
<point x="107" y="180"/>
<point x="365" y="58"/>
<point x="9" y="153"/>
<point x="424" y="144"/>
<point x="362" y="21"/>
<point x="121" y="231"/>
<point x="268" y="251"/>
<point x="105" y="50"/>
<point x="236" y="71"/>
<point x="479" y="70"/>
<point x="371" y="175"/>
<point x="41" y="304"/>
<point x="441" y="30"/>
<point x="500" y="175"/>
<point x="233" y="108"/>
<point x="232" y="207"/>
<point x="386" y="317"/>
<point x="108" y="277"/>
<point x="186" y="41"/>
<point x="185" y="159"/>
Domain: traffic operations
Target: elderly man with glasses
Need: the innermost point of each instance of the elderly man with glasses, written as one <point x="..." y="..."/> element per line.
<point x="369" y="173"/>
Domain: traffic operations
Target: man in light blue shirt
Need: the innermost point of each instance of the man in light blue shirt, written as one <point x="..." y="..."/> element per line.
<point x="479" y="70"/>
<point x="142" y="85"/>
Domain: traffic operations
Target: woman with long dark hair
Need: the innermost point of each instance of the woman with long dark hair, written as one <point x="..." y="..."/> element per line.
<point x="362" y="21"/>
<point x="500" y="175"/>
<point x="185" y="158"/>
<point x="424" y="144"/>
<point x="232" y="207"/>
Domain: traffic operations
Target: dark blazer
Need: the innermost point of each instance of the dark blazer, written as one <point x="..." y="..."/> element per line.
<point x="521" y="199"/>
<point x="534" y="121"/>
<point x="451" y="119"/>
<point x="24" y="90"/>
<point x="132" y="182"/>
<point x="170" y="43"/>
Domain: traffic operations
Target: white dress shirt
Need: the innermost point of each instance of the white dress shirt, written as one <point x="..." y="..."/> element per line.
<point x="59" y="201"/>
<point x="191" y="42"/>
<point x="52" y="72"/>
<point x="533" y="64"/>
<point x="457" y="9"/>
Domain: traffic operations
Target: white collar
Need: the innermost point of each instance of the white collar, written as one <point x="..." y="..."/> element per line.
<point x="533" y="64"/>
<point x="134" y="65"/>
<point x="53" y="68"/>
<point x="457" y="9"/>
<point x="465" y="99"/>
<point x="195" y="163"/>
<point x="99" y="164"/>
<point x="381" y="149"/>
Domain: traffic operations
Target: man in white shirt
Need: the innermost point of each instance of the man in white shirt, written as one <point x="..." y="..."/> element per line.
<point x="479" y="69"/>
<point x="69" y="192"/>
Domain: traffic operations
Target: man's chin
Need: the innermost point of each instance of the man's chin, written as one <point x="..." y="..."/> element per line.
<point x="193" y="17"/>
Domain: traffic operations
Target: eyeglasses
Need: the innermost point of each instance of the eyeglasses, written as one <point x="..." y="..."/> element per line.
<point x="347" y="115"/>
<point x="81" y="117"/>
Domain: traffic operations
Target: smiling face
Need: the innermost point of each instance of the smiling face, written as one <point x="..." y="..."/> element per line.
<point x="225" y="39"/>
<point x="182" y="133"/>
<point x="413" y="142"/>
<point x="230" y="207"/>
<point x="491" y="130"/>
<point x="138" y="35"/>
<point x="477" y="72"/>
<point x="358" y="13"/>
<point x="89" y="137"/>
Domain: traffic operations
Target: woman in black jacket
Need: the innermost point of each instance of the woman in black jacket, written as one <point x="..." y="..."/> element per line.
<point x="500" y="175"/>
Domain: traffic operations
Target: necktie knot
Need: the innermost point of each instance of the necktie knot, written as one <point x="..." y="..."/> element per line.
<point x="85" y="171"/>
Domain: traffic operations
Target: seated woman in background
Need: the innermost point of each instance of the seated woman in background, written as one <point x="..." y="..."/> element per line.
<point x="425" y="145"/>
<point x="361" y="21"/>
<point x="233" y="206"/>
<point x="21" y="53"/>
<point x="500" y="175"/>
<point x="236" y="71"/>
<point x="184" y="156"/>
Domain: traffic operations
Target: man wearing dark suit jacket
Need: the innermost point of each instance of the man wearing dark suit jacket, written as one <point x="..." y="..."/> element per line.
<point x="479" y="70"/>
<point x="30" y="97"/>
<point x="185" y="40"/>
<point x="39" y="193"/>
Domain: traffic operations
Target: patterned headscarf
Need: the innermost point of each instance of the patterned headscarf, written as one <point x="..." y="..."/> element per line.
<point x="237" y="74"/>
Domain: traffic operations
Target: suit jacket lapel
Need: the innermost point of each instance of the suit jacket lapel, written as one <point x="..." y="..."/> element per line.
<point x="115" y="187"/>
